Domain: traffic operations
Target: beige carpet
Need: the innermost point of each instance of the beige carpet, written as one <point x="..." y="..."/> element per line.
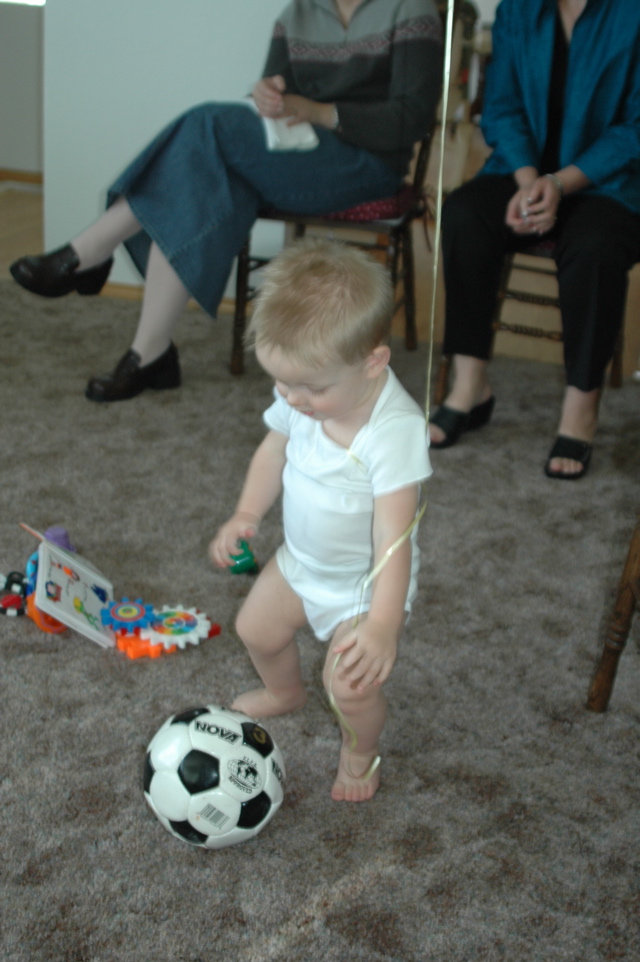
<point x="507" y="825"/>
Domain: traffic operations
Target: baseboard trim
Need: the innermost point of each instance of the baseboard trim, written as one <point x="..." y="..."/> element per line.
<point x="21" y="176"/>
<point x="124" y="292"/>
<point x="134" y="292"/>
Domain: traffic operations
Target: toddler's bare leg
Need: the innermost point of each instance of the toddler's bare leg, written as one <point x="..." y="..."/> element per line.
<point x="366" y="713"/>
<point x="267" y="624"/>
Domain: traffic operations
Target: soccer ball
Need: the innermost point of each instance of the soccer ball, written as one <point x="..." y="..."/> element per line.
<point x="213" y="776"/>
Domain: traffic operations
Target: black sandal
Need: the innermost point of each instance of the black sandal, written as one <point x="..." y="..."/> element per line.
<point x="454" y="423"/>
<point x="573" y="450"/>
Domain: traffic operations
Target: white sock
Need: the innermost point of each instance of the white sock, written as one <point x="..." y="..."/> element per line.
<point x="98" y="242"/>
<point x="165" y="298"/>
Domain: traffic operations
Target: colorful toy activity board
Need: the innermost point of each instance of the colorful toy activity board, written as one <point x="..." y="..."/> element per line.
<point x="60" y="590"/>
<point x="71" y="590"/>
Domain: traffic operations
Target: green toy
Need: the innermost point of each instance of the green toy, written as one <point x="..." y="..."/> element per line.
<point x="244" y="562"/>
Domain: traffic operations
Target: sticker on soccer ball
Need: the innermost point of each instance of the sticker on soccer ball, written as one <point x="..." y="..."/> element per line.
<point x="213" y="776"/>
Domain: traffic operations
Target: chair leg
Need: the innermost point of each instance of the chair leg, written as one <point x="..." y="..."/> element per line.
<point x="392" y="257"/>
<point x="408" y="271"/>
<point x="240" y="312"/>
<point x="618" y="629"/>
<point x="507" y="265"/>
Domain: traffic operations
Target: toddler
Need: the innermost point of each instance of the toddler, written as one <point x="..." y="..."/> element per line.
<point x="347" y="446"/>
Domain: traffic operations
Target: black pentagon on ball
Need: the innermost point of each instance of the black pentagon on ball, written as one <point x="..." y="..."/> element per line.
<point x="188" y="715"/>
<point x="254" y="811"/>
<point x="190" y="834"/>
<point x="199" y="771"/>
<point x="147" y="773"/>
<point x="257" y="738"/>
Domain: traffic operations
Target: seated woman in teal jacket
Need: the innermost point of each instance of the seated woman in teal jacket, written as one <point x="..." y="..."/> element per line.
<point x="562" y="114"/>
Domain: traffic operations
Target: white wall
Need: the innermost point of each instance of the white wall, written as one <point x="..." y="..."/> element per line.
<point x="21" y="86"/>
<point x="116" y="71"/>
<point x="487" y="10"/>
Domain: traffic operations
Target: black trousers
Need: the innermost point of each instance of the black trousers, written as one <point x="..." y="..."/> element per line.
<point x="597" y="243"/>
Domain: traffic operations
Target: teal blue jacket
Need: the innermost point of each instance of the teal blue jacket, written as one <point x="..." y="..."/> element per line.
<point x="601" y="120"/>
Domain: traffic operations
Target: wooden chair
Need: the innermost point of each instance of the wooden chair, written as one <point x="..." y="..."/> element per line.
<point x="542" y="252"/>
<point x="389" y="220"/>
<point x="627" y="600"/>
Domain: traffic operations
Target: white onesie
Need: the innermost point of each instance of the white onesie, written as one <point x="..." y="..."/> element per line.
<point x="328" y="501"/>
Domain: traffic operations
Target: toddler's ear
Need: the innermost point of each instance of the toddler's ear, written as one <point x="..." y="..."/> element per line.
<point x="378" y="360"/>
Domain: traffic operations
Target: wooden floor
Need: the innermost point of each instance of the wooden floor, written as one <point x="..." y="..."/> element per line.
<point x="21" y="226"/>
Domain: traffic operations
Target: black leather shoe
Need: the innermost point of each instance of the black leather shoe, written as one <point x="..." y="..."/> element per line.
<point x="129" y="379"/>
<point x="57" y="274"/>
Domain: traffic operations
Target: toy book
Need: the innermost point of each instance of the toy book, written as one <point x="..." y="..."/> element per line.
<point x="73" y="591"/>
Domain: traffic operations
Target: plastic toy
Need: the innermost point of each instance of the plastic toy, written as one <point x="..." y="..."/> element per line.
<point x="57" y="581"/>
<point x="142" y="632"/>
<point x="12" y="605"/>
<point x="56" y="535"/>
<point x="12" y="589"/>
<point x="136" y="647"/>
<point x="127" y="615"/>
<point x="244" y="561"/>
<point x="177" y="626"/>
<point x="20" y="599"/>
<point x="15" y="582"/>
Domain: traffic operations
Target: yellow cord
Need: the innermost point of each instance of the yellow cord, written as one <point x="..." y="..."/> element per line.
<point x="446" y="81"/>
<point x="342" y="721"/>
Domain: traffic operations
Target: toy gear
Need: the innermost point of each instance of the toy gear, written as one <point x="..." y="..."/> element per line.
<point x="127" y="615"/>
<point x="135" y="647"/>
<point x="177" y="626"/>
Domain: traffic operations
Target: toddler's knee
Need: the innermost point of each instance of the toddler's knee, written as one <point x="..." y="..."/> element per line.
<point x="244" y="628"/>
<point x="348" y="699"/>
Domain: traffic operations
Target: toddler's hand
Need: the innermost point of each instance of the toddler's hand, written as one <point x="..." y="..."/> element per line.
<point x="240" y="526"/>
<point x="368" y="654"/>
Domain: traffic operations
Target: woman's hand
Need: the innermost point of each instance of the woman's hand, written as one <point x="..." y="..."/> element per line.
<point x="533" y="209"/>
<point x="368" y="654"/>
<point x="272" y="101"/>
<point x="225" y="544"/>
<point x="268" y="96"/>
<point x="299" y="110"/>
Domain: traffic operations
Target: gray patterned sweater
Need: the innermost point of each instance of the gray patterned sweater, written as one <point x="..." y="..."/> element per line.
<point x="383" y="71"/>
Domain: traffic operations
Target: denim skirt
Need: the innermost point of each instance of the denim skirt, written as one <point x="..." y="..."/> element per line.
<point x="197" y="188"/>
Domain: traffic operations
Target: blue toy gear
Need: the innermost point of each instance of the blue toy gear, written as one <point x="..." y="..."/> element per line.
<point x="127" y="615"/>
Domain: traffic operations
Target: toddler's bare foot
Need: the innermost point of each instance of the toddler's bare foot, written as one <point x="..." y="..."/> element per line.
<point x="260" y="703"/>
<point x="356" y="781"/>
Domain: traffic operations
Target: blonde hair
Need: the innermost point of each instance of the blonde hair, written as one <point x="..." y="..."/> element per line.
<point x="322" y="301"/>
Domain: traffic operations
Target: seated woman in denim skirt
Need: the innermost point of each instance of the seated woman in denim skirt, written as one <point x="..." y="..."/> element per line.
<point x="364" y="73"/>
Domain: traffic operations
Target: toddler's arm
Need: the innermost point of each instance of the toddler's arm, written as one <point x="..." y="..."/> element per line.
<point x="262" y="486"/>
<point x="370" y="648"/>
